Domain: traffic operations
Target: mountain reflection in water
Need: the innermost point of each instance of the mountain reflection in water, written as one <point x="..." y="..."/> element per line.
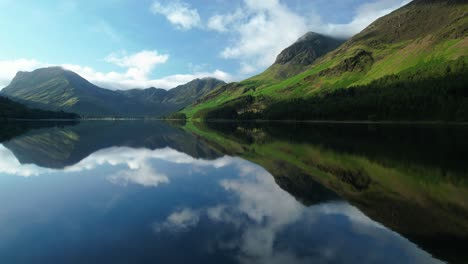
<point x="145" y="192"/>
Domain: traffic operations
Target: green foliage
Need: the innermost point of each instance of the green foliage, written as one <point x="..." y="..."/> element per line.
<point x="176" y="116"/>
<point x="13" y="110"/>
<point x="439" y="93"/>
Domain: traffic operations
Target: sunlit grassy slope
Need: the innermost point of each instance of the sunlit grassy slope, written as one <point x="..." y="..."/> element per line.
<point x="419" y="36"/>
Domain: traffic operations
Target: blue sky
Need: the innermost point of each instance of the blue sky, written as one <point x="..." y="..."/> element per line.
<point x="121" y="44"/>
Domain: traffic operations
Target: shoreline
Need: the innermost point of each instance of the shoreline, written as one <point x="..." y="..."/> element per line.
<point x="435" y="122"/>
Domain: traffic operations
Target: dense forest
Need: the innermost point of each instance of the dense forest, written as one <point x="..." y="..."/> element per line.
<point x="430" y="92"/>
<point x="14" y="110"/>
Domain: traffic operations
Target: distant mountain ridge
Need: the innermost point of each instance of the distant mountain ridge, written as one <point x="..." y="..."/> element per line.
<point x="175" y="98"/>
<point x="55" y="88"/>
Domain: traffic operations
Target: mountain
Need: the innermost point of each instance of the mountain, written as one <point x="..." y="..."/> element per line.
<point x="55" y="88"/>
<point x="14" y="110"/>
<point x="408" y="65"/>
<point x="300" y="55"/>
<point x="168" y="101"/>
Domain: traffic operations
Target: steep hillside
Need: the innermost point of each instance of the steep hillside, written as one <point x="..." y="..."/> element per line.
<point x="299" y="56"/>
<point x="54" y="88"/>
<point x="425" y="36"/>
<point x="14" y="110"/>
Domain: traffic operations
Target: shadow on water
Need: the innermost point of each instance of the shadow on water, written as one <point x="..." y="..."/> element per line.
<point x="62" y="146"/>
<point x="411" y="178"/>
<point x="12" y="129"/>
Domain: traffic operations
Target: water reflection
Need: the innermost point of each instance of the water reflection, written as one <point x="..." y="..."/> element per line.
<point x="145" y="192"/>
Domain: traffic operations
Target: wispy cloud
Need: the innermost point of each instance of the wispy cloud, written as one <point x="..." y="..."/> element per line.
<point x="138" y="65"/>
<point x="137" y="78"/>
<point x="133" y="165"/>
<point x="178" y="13"/>
<point x="179" y="220"/>
<point x="104" y="28"/>
<point x="137" y="71"/>
<point x="365" y="15"/>
<point x="144" y="175"/>
<point x="9" y="68"/>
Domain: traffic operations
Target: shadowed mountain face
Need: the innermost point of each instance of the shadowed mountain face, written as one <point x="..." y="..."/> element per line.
<point x="14" y="110"/>
<point x="297" y="57"/>
<point x="307" y="49"/>
<point x="54" y="88"/>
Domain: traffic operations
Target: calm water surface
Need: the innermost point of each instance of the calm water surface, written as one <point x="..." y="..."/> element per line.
<point x="153" y="192"/>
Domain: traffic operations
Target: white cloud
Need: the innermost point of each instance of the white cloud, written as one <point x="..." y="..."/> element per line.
<point x="9" y="164"/>
<point x="135" y="159"/>
<point x="365" y="15"/>
<point x="139" y="65"/>
<point x="143" y="175"/>
<point x="137" y="78"/>
<point x="178" y="13"/>
<point x="262" y="211"/>
<point x="9" y="68"/>
<point x="179" y="221"/>
<point x="172" y="81"/>
<point x="222" y="22"/>
<point x="260" y="30"/>
<point x="133" y="164"/>
<point x="144" y="60"/>
<point x="138" y="68"/>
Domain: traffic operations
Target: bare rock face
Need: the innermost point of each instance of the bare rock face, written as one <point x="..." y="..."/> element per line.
<point x="307" y="49"/>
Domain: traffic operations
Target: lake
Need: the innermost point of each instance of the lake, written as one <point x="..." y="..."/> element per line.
<point x="156" y="192"/>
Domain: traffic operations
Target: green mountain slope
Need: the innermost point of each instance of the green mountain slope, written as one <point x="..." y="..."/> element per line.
<point x="54" y="88"/>
<point x="424" y="36"/>
<point x="14" y="110"/>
